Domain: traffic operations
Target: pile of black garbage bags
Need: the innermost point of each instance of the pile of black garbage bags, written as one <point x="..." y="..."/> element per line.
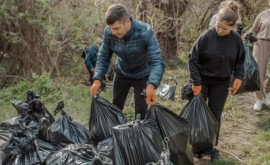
<point x="162" y="138"/>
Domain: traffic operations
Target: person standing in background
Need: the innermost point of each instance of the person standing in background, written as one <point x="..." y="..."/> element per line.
<point x="261" y="52"/>
<point x="90" y="58"/>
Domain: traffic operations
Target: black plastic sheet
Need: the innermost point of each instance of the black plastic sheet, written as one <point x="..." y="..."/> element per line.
<point x="78" y="154"/>
<point x="251" y="79"/>
<point x="104" y="115"/>
<point x="136" y="143"/>
<point x="176" y="130"/>
<point x="67" y="131"/>
<point x="11" y="122"/>
<point x="203" y="125"/>
<point x="5" y="135"/>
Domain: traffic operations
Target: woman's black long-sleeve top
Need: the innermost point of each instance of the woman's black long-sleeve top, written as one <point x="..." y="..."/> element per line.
<point x="216" y="56"/>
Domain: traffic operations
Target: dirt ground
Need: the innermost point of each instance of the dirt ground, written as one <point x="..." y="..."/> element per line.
<point x="239" y="134"/>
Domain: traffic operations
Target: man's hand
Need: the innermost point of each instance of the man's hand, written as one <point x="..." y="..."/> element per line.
<point x="150" y="95"/>
<point x="236" y="85"/>
<point x="95" y="87"/>
<point x="92" y="69"/>
<point x="196" y="89"/>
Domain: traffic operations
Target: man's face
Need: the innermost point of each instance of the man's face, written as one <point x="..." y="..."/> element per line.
<point x="120" y="29"/>
<point x="222" y="28"/>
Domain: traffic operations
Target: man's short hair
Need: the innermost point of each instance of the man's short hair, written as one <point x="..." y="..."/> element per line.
<point x="116" y="12"/>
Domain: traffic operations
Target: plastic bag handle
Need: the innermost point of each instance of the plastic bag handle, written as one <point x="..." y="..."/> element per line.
<point x="172" y="79"/>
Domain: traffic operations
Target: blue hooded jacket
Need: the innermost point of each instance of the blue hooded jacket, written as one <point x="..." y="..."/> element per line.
<point x="91" y="57"/>
<point x="138" y="54"/>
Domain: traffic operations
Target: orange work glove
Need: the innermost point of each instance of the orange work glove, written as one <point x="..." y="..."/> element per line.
<point x="92" y="69"/>
<point x="196" y="89"/>
<point x="236" y="85"/>
<point x="150" y="95"/>
<point x="95" y="87"/>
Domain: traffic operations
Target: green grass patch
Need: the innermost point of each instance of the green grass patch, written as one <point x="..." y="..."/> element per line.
<point x="264" y="123"/>
<point x="265" y="136"/>
<point x="225" y="162"/>
<point x="262" y="159"/>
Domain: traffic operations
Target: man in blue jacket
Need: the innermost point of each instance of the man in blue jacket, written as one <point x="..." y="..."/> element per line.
<point x="139" y="62"/>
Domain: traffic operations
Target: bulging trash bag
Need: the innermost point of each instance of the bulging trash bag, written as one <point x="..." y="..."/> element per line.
<point x="78" y="154"/>
<point x="24" y="149"/>
<point x="32" y="113"/>
<point x="203" y="124"/>
<point x="21" y="141"/>
<point x="20" y="106"/>
<point x="136" y="143"/>
<point x="251" y="79"/>
<point x="67" y="131"/>
<point x="104" y="115"/>
<point x="35" y="156"/>
<point x="105" y="147"/>
<point x="37" y="109"/>
<point x="176" y="130"/>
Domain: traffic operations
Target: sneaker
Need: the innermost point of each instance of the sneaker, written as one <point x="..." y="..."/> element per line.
<point x="258" y="105"/>
<point x="267" y="99"/>
<point x="214" y="155"/>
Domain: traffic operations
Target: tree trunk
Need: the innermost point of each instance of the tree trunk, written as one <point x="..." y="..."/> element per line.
<point x="169" y="32"/>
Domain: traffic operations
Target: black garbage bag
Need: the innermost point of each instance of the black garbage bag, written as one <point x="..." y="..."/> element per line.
<point x="37" y="109"/>
<point x="176" y="130"/>
<point x="66" y="131"/>
<point x="5" y="136"/>
<point x="24" y="149"/>
<point x="203" y="124"/>
<point x="105" y="147"/>
<point x="32" y="113"/>
<point x="78" y="154"/>
<point x="35" y="156"/>
<point x="21" y="141"/>
<point x="20" y="106"/>
<point x="11" y="122"/>
<point x="165" y="156"/>
<point x="136" y="143"/>
<point x="104" y="115"/>
<point x="251" y="79"/>
<point x="186" y="92"/>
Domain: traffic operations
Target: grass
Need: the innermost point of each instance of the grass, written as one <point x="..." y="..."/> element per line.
<point x="264" y="123"/>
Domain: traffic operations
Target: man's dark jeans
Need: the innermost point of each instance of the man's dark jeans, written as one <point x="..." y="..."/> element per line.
<point x="121" y="87"/>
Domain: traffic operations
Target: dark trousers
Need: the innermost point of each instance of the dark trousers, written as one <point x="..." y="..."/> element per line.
<point x="216" y="92"/>
<point x="121" y="87"/>
<point x="91" y="75"/>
